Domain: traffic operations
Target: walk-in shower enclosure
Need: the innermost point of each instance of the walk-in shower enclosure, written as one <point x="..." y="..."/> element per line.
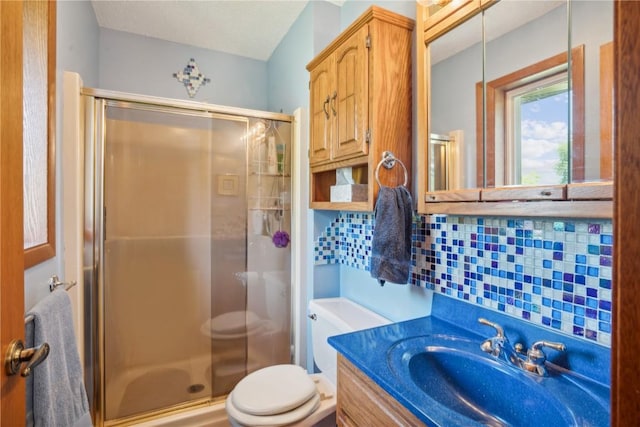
<point x="187" y="266"/>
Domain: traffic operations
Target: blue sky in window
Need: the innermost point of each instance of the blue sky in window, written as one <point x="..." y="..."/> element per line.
<point x="544" y="127"/>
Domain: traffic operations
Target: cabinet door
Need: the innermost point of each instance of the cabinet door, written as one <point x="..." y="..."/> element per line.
<point x="321" y="117"/>
<point x="349" y="103"/>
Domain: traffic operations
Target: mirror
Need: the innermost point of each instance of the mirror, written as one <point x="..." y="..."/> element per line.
<point x="456" y="66"/>
<point x="539" y="116"/>
<point x="526" y="98"/>
<point x="592" y="27"/>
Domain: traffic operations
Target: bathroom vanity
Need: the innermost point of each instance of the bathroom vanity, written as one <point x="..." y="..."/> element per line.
<point x="430" y="371"/>
<point x="361" y="402"/>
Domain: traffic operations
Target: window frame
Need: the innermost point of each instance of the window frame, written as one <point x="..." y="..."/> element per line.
<point x="495" y="98"/>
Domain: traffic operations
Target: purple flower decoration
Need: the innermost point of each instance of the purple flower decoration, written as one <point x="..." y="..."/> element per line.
<point x="280" y="239"/>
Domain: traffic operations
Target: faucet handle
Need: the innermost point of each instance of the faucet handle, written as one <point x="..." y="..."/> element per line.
<point x="535" y="352"/>
<point x="495" y="326"/>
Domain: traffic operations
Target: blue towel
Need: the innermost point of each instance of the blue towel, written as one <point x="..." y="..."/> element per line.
<point x="59" y="397"/>
<point x="391" y="243"/>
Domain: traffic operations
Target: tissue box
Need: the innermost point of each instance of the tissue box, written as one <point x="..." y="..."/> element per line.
<point x="349" y="193"/>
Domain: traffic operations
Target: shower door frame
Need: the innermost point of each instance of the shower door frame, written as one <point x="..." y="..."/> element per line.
<point x="95" y="103"/>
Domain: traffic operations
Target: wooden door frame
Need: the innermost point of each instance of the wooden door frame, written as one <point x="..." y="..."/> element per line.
<point x="625" y="346"/>
<point x="12" y="388"/>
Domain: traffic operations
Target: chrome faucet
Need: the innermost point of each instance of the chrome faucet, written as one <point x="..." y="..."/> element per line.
<point x="536" y="357"/>
<point x="499" y="346"/>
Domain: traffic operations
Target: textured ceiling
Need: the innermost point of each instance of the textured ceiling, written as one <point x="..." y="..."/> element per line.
<point x="251" y="28"/>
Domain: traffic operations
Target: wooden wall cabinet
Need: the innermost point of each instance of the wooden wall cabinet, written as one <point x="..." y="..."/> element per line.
<point x="363" y="403"/>
<point x="360" y="106"/>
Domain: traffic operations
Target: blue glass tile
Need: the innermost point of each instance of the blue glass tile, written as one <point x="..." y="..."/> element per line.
<point x="547" y="263"/>
<point x="606" y="250"/>
<point x="578" y="320"/>
<point x="581" y="259"/>
<point x="604" y="327"/>
<point x="606" y="239"/>
<point x="581" y="269"/>
<point x="592" y="271"/>
<point x="604" y="316"/>
<point x="547" y="244"/>
<point x="546" y="302"/>
<point x="593" y="249"/>
<point x="605" y="305"/>
<point x="605" y="283"/>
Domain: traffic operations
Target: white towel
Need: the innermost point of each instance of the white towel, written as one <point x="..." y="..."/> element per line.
<point x="59" y="397"/>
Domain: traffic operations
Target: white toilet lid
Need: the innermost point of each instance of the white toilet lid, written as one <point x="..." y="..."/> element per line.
<point x="273" y="390"/>
<point x="282" y="419"/>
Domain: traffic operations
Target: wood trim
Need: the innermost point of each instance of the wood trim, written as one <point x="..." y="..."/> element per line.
<point x="625" y="346"/>
<point x="542" y="208"/>
<point x="495" y="101"/>
<point x="590" y="191"/>
<point x="12" y="389"/>
<point x="542" y="192"/>
<point x="606" y="111"/>
<point x="469" y="195"/>
<point x="43" y="252"/>
<point x="423" y="82"/>
<point x="452" y="16"/>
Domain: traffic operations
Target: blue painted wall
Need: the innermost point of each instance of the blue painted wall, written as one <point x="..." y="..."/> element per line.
<point x="144" y="65"/>
<point x="76" y="50"/>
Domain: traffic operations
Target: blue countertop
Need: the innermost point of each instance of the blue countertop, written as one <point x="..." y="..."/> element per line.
<point x="369" y="349"/>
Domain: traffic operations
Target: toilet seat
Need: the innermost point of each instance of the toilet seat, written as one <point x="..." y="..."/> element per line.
<point x="273" y="390"/>
<point x="281" y="419"/>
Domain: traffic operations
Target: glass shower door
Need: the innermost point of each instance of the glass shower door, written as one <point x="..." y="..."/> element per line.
<point x="175" y="215"/>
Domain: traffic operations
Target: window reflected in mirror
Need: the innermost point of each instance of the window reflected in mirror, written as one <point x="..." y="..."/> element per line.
<point x="531" y="115"/>
<point x="527" y="97"/>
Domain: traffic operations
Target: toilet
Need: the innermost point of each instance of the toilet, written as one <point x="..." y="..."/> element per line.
<point x="286" y="395"/>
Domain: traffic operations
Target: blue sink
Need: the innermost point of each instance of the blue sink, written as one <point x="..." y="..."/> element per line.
<point x="458" y="384"/>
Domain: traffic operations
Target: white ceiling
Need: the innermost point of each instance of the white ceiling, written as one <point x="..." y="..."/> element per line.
<point x="251" y="28"/>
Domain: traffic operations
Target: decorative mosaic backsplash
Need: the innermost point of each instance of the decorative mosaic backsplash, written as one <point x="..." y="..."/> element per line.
<point x="553" y="273"/>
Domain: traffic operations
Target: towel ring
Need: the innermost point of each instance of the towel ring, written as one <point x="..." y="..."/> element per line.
<point x="389" y="161"/>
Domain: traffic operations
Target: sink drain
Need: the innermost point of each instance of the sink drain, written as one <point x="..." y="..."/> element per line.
<point x="195" y="388"/>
